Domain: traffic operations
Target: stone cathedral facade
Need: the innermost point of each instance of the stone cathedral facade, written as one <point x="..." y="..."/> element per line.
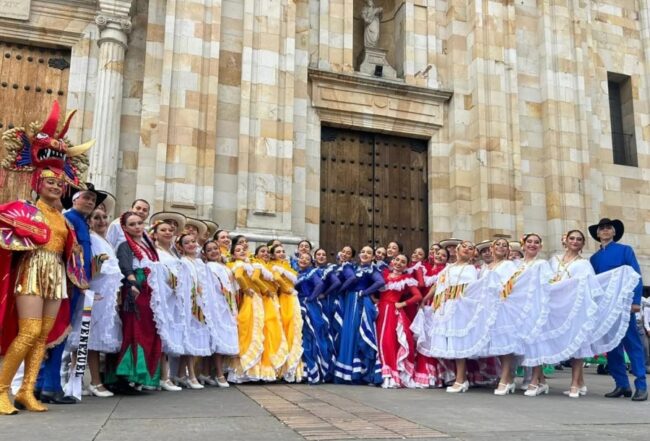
<point x="472" y="118"/>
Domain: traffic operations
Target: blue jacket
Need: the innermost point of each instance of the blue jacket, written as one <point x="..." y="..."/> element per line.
<point x="615" y="255"/>
<point x="82" y="231"/>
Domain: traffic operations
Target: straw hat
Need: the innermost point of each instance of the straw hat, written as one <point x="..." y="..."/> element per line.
<point x="198" y="224"/>
<point x="483" y="245"/>
<point x="109" y="203"/>
<point x="450" y="242"/>
<point x="175" y="216"/>
<point x="515" y="245"/>
<point x="212" y="227"/>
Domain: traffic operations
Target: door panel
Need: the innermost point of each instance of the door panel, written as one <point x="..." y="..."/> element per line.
<point x="373" y="190"/>
<point x="31" y="78"/>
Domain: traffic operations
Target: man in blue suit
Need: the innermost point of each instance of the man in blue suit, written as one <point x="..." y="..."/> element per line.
<point x="612" y="255"/>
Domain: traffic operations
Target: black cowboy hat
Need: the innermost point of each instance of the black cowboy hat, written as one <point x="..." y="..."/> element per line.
<point x="617" y="224"/>
<point x="66" y="200"/>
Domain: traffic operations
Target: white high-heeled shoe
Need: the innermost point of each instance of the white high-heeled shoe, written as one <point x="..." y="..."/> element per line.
<point x="98" y="392"/>
<point x="169" y="386"/>
<point x="222" y="382"/>
<point x="190" y="383"/>
<point x="458" y="388"/>
<point x="537" y="389"/>
<point x="205" y="380"/>
<point x="580" y="391"/>
<point x="508" y="388"/>
<point x="575" y="392"/>
<point x="194" y="384"/>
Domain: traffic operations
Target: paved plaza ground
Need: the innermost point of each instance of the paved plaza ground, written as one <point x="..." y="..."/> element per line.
<point x="332" y="412"/>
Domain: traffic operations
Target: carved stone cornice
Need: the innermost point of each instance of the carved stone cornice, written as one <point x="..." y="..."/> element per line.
<point x="363" y="102"/>
<point x="115" y="8"/>
<point x="39" y="30"/>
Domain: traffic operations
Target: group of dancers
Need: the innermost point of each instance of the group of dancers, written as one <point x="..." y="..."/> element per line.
<point x="171" y="301"/>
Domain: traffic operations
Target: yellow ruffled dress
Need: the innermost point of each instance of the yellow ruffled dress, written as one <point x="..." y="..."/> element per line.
<point x="250" y="325"/>
<point x="276" y="349"/>
<point x="286" y="278"/>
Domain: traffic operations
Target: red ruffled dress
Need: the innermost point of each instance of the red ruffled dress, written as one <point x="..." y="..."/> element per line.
<point x="395" y="339"/>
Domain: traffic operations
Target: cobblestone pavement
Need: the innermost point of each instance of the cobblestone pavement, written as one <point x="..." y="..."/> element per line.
<point x="333" y="412"/>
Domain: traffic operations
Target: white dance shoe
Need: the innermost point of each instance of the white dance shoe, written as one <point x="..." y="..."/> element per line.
<point x="576" y="392"/>
<point x="537" y="389"/>
<point x="458" y="388"/>
<point x="169" y="386"/>
<point x="99" y="391"/>
<point x="505" y="389"/>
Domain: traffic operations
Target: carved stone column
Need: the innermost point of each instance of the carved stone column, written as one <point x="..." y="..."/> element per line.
<point x="114" y="26"/>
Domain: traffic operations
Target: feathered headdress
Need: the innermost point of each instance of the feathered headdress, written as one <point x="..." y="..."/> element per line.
<point x="29" y="152"/>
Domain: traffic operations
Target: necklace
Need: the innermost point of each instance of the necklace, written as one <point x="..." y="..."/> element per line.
<point x="566" y="263"/>
<point x="460" y="273"/>
<point x="527" y="263"/>
<point x="563" y="267"/>
<point x="495" y="264"/>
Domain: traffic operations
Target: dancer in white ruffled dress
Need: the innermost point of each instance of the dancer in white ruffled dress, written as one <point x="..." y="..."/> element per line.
<point x="197" y="332"/>
<point x="220" y="296"/>
<point x="464" y="310"/>
<point x="167" y="305"/>
<point x="611" y="291"/>
<point x="570" y="319"/>
<point x="105" y="324"/>
<point x="522" y="310"/>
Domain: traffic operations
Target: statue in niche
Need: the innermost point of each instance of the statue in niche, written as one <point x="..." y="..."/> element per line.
<point x="371" y="16"/>
<point x="372" y="59"/>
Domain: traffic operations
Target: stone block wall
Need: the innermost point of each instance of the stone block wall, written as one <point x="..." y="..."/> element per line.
<point x="222" y="107"/>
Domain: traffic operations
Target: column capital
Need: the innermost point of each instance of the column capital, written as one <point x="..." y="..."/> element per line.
<point x="113" y="29"/>
<point x="122" y="23"/>
<point x="114" y="21"/>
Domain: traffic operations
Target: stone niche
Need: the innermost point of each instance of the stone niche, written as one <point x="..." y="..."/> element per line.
<point x="391" y="33"/>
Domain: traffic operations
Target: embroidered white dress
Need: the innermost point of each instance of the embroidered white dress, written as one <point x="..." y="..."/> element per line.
<point x="571" y="318"/>
<point x="522" y="308"/>
<point x="105" y="324"/>
<point x="224" y="338"/>
<point x="612" y="292"/>
<point x="166" y="303"/>
<point x="197" y="338"/>
<point x="462" y="314"/>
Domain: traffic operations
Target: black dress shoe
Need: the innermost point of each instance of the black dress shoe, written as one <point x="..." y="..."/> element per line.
<point x="57" y="398"/>
<point x="640" y="395"/>
<point x="620" y="392"/>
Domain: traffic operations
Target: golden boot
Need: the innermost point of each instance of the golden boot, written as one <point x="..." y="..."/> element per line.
<point x="25" y="397"/>
<point x="29" y="330"/>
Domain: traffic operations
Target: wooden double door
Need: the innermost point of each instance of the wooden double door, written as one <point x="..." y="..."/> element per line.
<point x="373" y="190"/>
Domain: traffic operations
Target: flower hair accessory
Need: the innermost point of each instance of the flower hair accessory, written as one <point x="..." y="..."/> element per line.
<point x="525" y="236"/>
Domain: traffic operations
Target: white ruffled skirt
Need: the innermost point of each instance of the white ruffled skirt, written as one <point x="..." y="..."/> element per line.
<point x="168" y="309"/>
<point x="521" y="312"/>
<point x="105" y="324"/>
<point x="224" y="338"/>
<point x="571" y="319"/>
<point x="613" y="293"/>
<point x="458" y="326"/>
